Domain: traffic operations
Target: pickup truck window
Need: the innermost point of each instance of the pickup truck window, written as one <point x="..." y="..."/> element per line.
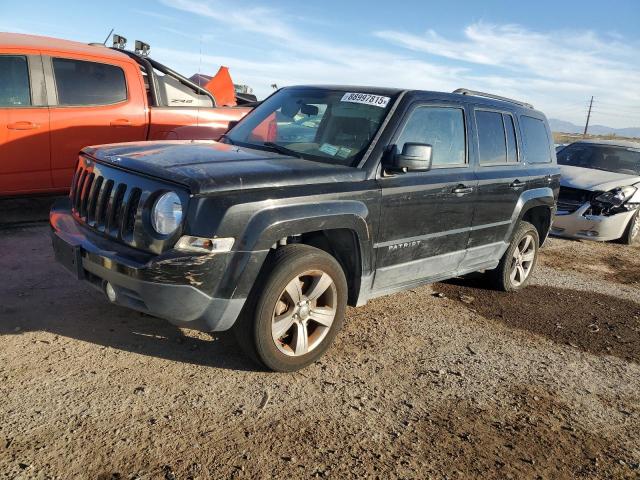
<point x="319" y="124"/>
<point x="81" y="83"/>
<point x="173" y="93"/>
<point x="537" y="147"/>
<point x="14" y="82"/>
<point x="440" y="127"/>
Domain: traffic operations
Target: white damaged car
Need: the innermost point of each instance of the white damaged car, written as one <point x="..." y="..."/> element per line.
<point x="599" y="191"/>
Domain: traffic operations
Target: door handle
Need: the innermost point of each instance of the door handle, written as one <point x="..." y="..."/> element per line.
<point x="461" y="190"/>
<point x="517" y="185"/>
<point x="121" y="122"/>
<point x="22" y="126"/>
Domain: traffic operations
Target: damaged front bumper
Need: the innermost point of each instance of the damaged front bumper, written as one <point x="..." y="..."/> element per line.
<point x="584" y="225"/>
<point x="188" y="289"/>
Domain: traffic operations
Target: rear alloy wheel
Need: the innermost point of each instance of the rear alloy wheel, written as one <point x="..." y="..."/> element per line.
<point x="630" y="236"/>
<point x="298" y="310"/>
<point x="515" y="268"/>
<point x="522" y="260"/>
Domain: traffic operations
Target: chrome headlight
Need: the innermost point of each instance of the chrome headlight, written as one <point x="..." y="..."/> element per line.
<point x="617" y="196"/>
<point x="166" y="213"/>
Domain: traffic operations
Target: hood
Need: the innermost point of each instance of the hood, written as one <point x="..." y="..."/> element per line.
<point x="593" y="179"/>
<point x="206" y="166"/>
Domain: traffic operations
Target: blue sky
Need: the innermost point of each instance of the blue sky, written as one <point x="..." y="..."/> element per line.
<point x="553" y="54"/>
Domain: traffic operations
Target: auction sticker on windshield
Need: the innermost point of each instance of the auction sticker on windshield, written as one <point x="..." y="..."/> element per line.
<point x="366" y="98"/>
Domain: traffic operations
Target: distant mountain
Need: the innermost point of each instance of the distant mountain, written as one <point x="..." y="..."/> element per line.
<point x="562" y="126"/>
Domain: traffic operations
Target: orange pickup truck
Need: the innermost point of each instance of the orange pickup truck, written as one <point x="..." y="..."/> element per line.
<point x="58" y="96"/>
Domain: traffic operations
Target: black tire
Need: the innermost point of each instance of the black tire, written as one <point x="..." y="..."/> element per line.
<point x="501" y="275"/>
<point x="253" y="330"/>
<point x="630" y="235"/>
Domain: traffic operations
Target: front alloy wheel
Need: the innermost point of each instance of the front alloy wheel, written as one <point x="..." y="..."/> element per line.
<point x="304" y="313"/>
<point x="296" y="309"/>
<point x="630" y="235"/>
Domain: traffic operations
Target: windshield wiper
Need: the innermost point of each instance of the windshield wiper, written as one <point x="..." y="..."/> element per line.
<point x="281" y="149"/>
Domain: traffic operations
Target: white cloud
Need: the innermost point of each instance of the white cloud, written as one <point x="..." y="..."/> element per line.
<point x="554" y="69"/>
<point x="557" y="71"/>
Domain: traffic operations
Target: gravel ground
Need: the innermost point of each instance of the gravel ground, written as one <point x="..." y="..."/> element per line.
<point x="446" y="381"/>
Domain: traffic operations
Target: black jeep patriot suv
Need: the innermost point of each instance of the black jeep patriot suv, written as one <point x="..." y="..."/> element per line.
<point x="322" y="197"/>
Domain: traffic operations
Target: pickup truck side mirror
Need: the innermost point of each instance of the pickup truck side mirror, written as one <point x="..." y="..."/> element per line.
<point x="415" y="157"/>
<point x="232" y="124"/>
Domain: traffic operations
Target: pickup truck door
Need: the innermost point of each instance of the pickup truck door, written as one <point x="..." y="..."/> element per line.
<point x="24" y="125"/>
<point x="426" y="216"/>
<point x="91" y="103"/>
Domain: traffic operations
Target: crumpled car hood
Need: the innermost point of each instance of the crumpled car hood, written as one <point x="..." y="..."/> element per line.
<point x="594" y="180"/>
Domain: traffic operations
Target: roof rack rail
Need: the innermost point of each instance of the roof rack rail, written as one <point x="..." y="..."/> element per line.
<point x="466" y="91"/>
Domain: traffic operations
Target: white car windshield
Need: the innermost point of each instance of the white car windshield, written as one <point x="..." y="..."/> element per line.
<point x="609" y="158"/>
<point x="321" y="124"/>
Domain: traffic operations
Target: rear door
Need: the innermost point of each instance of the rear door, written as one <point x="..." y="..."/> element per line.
<point x="24" y="125"/>
<point x="92" y="103"/>
<point x="501" y="181"/>
<point x="426" y="216"/>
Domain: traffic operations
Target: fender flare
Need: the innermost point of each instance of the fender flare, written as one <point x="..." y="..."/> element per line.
<point x="267" y="226"/>
<point x="529" y="199"/>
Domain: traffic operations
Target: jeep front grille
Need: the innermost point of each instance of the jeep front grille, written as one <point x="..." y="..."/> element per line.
<point x="103" y="204"/>
<point x="112" y="202"/>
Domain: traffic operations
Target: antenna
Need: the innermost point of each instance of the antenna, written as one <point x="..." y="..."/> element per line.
<point x="107" y="39"/>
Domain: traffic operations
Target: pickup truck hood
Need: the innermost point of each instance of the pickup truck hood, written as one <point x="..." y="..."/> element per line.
<point x="593" y="179"/>
<point x="207" y="167"/>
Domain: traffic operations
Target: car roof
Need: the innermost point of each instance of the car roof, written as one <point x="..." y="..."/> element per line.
<point x="453" y="97"/>
<point x="356" y="89"/>
<point x="612" y="143"/>
<point x="20" y="40"/>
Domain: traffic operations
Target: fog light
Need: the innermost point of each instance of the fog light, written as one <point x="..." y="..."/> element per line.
<point x="111" y="293"/>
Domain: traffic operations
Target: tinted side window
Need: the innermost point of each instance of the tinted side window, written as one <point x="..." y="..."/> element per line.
<point x="492" y="144"/>
<point x="88" y="83"/>
<point x="442" y="128"/>
<point x="512" y="148"/>
<point x="536" y="140"/>
<point x="14" y="82"/>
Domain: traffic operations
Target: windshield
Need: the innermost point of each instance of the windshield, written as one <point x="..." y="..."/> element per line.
<point x="318" y="124"/>
<point x="601" y="157"/>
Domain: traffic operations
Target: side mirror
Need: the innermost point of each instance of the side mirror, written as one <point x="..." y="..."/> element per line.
<point x="415" y="157"/>
<point x="232" y="124"/>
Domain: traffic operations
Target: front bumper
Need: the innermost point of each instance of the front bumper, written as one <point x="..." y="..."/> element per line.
<point x="183" y="288"/>
<point x="581" y="225"/>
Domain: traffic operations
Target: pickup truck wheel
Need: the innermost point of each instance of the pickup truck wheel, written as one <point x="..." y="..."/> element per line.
<point x="630" y="236"/>
<point x="517" y="263"/>
<point x="299" y="309"/>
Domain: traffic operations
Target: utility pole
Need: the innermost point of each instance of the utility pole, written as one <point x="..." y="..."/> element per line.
<point x="586" y="125"/>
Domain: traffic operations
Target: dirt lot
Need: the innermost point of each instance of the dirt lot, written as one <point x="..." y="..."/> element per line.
<point x="475" y="383"/>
